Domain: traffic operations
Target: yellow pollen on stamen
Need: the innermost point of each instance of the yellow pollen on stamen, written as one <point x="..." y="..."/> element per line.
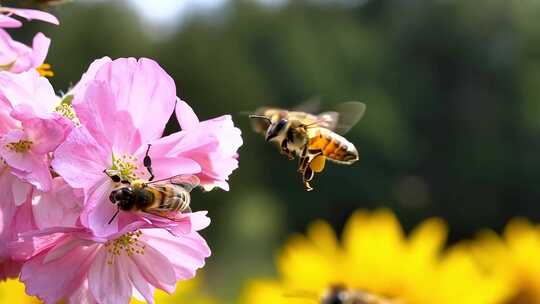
<point x="127" y="243"/>
<point x="67" y="111"/>
<point x="124" y="167"/>
<point x="65" y="108"/>
<point x="45" y="70"/>
<point x="21" y="146"/>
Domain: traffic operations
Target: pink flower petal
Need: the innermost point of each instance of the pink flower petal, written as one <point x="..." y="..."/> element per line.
<point x="30" y="90"/>
<point x="213" y="144"/>
<point x="46" y="134"/>
<point x="62" y="247"/>
<point x="31" y="14"/>
<point x="7" y="122"/>
<point x="80" y="88"/>
<point x="82" y="295"/>
<point x="40" y="175"/>
<point x="199" y="220"/>
<point x="185" y="115"/>
<point x="109" y="283"/>
<point x="7" y="205"/>
<point x="190" y="250"/>
<point x="81" y="150"/>
<point x="40" y="48"/>
<point x="155" y="267"/>
<point x="69" y="273"/>
<point x="143" y="89"/>
<point x="8" y="22"/>
<point x="137" y="279"/>
<point x="31" y="167"/>
<point x="99" y="113"/>
<point x="20" y="190"/>
<point x="98" y="210"/>
<point x="58" y="207"/>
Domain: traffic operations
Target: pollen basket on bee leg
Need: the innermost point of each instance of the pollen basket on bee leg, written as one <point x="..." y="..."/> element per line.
<point x="318" y="163"/>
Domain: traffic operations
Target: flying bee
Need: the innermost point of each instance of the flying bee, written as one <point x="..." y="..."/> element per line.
<point x="164" y="197"/>
<point x="312" y="138"/>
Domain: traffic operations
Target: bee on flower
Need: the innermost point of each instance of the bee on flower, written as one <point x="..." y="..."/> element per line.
<point x="113" y="103"/>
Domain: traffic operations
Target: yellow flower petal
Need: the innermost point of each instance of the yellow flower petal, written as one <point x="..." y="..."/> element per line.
<point x="12" y="291"/>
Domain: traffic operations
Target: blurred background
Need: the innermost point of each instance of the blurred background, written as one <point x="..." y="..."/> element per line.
<point x="452" y="90"/>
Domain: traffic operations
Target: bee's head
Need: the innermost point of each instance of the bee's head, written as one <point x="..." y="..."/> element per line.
<point x="122" y="197"/>
<point x="276" y="129"/>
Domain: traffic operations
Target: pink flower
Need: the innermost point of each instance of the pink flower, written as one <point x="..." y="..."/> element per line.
<point x="86" y="268"/>
<point x="26" y="149"/>
<point x="124" y="105"/>
<point x="25" y="209"/>
<point x="17" y="57"/>
<point x="8" y="209"/>
<point x="6" y="21"/>
<point x="213" y="144"/>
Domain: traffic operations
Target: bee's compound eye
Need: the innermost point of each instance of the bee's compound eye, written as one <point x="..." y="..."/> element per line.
<point x="280" y="124"/>
<point x="112" y="197"/>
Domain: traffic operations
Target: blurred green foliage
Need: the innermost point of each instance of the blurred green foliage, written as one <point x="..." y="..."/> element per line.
<point x="452" y="127"/>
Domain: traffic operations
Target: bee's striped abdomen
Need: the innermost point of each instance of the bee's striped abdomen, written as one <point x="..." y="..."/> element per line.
<point x="333" y="146"/>
<point x="176" y="199"/>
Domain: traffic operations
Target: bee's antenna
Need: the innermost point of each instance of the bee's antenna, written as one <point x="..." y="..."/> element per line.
<point x="115" y="214"/>
<point x="260" y="117"/>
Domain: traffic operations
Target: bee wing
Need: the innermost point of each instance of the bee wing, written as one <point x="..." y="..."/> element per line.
<point x="328" y="120"/>
<point x="167" y="214"/>
<point x="188" y="182"/>
<point x="344" y="118"/>
<point x="312" y="105"/>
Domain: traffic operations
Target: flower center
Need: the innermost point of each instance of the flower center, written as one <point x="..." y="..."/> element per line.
<point x="128" y="243"/>
<point x="124" y="167"/>
<point x="45" y="70"/>
<point x="21" y="146"/>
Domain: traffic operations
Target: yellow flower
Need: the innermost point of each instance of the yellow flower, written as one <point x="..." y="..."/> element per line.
<point x="12" y="291"/>
<point x="186" y="292"/>
<point x="375" y="257"/>
<point x="513" y="258"/>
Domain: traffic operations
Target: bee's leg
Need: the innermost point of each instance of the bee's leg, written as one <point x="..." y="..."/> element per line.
<point x="285" y="149"/>
<point x="115" y="178"/>
<point x="306" y="170"/>
<point x="147" y="162"/>
<point x="307" y="177"/>
<point x="302" y="160"/>
<point x="115" y="214"/>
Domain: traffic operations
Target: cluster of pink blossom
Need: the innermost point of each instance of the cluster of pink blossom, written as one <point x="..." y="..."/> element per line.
<point x="56" y="151"/>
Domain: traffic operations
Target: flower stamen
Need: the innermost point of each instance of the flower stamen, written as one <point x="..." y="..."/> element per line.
<point x="127" y="243"/>
<point x="65" y="108"/>
<point x="124" y="167"/>
<point x="21" y="146"/>
<point x="45" y="70"/>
